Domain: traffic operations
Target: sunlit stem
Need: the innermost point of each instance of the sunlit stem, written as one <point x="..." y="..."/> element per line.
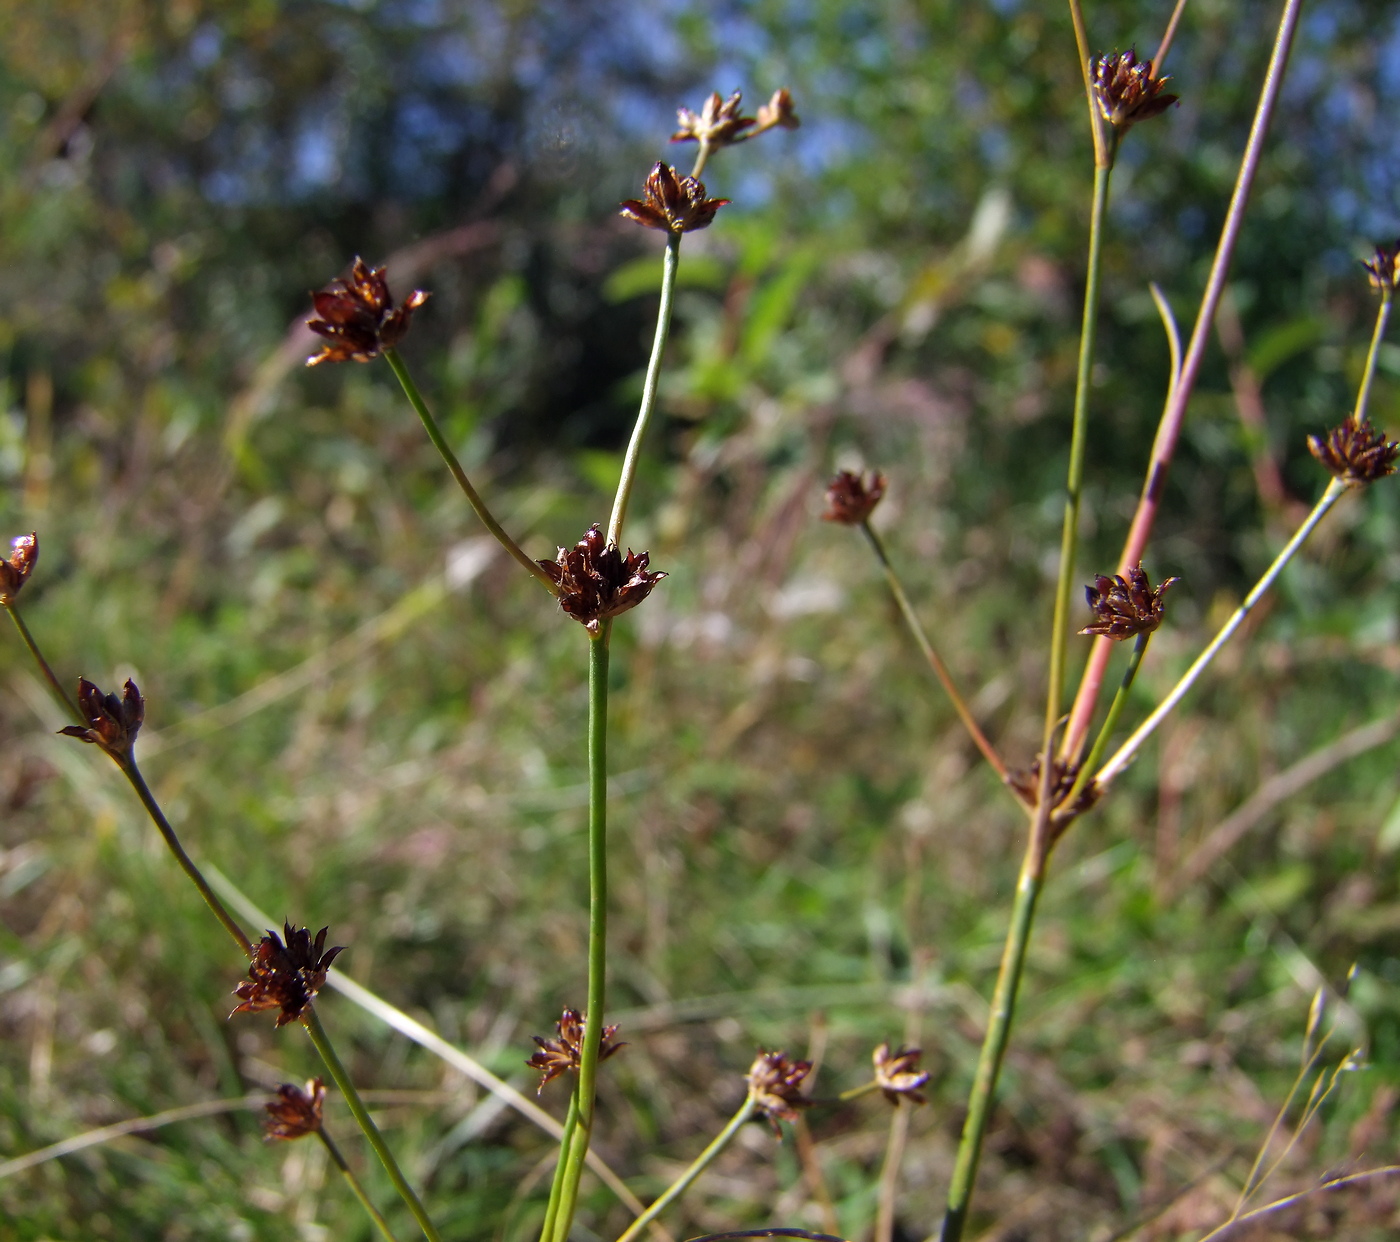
<point x="702" y="157"/>
<point x="63" y="697"/>
<point x="889" y="1173"/>
<point x="551" y="1213"/>
<point x="1110" y="723"/>
<point x="1363" y="394"/>
<point x="355" y="1188"/>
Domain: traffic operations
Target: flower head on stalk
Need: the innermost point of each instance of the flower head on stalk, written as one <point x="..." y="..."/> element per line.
<point x="718" y="123"/>
<point x="850" y="500"/>
<point x="672" y="204"/>
<point x="594" y="581"/>
<point x="286" y="976"/>
<point x="1356" y="452"/>
<point x="112" y="722"/>
<point x="1384" y="267"/>
<point x="557" y="1056"/>
<point x="15" y="570"/>
<point x="1025" y="782"/>
<point x="295" y="1112"/>
<point x="357" y="316"/>
<point x="777" y="113"/>
<point x="898" y="1074"/>
<point x="1126" y="91"/>
<point x="1125" y="607"/>
<point x="775" y="1086"/>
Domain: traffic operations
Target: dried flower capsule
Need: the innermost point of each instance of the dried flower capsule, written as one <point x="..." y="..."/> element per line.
<point x="15" y="571"/>
<point x="286" y="976"/>
<point x="1356" y="452"/>
<point x="777" y="112"/>
<point x="595" y="582"/>
<point x="850" y="499"/>
<point x="1384" y="267"/>
<point x="718" y="124"/>
<point x="295" y="1112"/>
<point x="1126" y="91"/>
<point x="112" y="722"/>
<point x="898" y="1073"/>
<point x="775" y="1086"/>
<point x="358" y="317"/>
<point x="672" y="204"/>
<point x="556" y="1056"/>
<point x="1125" y="607"/>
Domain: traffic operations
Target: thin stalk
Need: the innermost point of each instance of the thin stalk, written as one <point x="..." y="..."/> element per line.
<point x="63" y="696"/>
<point x="1168" y="38"/>
<point x="702" y="157"/>
<point x="355" y="1188"/>
<point x="1111" y="720"/>
<point x="1097" y="125"/>
<point x="940" y="670"/>
<point x="312" y="1021"/>
<point x="415" y="399"/>
<point x="551" y="1212"/>
<point x="979" y="1104"/>
<point x="1124" y="754"/>
<point x="700" y="1164"/>
<point x="889" y="1173"/>
<point x="597" y="924"/>
<point x="649" y="386"/>
<point x="1338" y="1183"/>
<point x="1363" y="394"/>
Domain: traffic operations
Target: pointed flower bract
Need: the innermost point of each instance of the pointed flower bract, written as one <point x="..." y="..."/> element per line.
<point x="112" y="722"/>
<point x="595" y="582"/>
<point x="1125" y="607"/>
<point x="357" y="316"/>
<point x="1356" y="452"/>
<point x="1126" y="91"/>
<point x="850" y="500"/>
<point x="286" y="976"/>
<point x="15" y="571"/>
<point x="775" y="1086"/>
<point x="672" y="204"/>
<point x="561" y="1055"/>
<point x="295" y="1112"/>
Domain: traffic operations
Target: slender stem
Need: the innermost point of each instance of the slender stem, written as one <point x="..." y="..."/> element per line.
<point x="551" y="1212"/>
<point x="1363" y="394"/>
<point x="940" y="669"/>
<point x="597" y="924"/>
<point x="889" y="1173"/>
<point x="855" y="1093"/>
<point x="415" y="399"/>
<point x="143" y="791"/>
<point x="312" y="1021"/>
<point x="1249" y="1218"/>
<point x="702" y="157"/>
<point x="648" y="406"/>
<point x="1097" y="125"/>
<point x="13" y="609"/>
<point x="1124" y="754"/>
<point x="356" y="1189"/>
<point x="700" y="1164"/>
<point x="1168" y="38"/>
<point x="1110" y="723"/>
<point x="979" y="1104"/>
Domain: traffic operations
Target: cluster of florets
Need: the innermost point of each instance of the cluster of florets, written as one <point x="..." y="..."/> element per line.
<point x="850" y="499"/>
<point x="357" y="316"/>
<point x="1356" y="452"/>
<point x="1125" y="90"/>
<point x="286" y="976"/>
<point x="16" y="568"/>
<point x="775" y="1087"/>
<point x="112" y="722"/>
<point x="672" y="203"/>
<point x="595" y="581"/>
<point x="721" y="122"/>
<point x="1125" y="606"/>
<point x="564" y="1054"/>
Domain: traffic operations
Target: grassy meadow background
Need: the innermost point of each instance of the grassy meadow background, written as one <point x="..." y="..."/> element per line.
<point x="368" y="718"/>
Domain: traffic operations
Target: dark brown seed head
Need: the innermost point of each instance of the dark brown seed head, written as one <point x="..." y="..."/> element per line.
<point x="1126" y="91"/>
<point x="112" y="722"/>
<point x="850" y="499"/>
<point x="672" y="204"/>
<point x="775" y="1086"/>
<point x="898" y="1073"/>
<point x="357" y="316"/>
<point x="557" y="1056"/>
<point x="286" y="976"/>
<point x="594" y="581"/>
<point x="1384" y="267"/>
<point x="1026" y="784"/>
<point x="1356" y="452"/>
<point x="295" y="1112"/>
<point x="777" y="112"/>
<point x="718" y="124"/>
<point x="15" y="571"/>
<point x="1125" y="607"/>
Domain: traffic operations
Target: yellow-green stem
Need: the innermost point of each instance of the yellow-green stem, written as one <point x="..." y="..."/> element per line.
<point x="1115" y="709"/>
<point x="355" y="1188"/>
<point x="1363" y="394"/>
<point x="551" y="1212"/>
<point x="54" y="685"/>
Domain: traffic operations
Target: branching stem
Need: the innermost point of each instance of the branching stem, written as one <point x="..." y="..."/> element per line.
<point x="1111" y="720"/>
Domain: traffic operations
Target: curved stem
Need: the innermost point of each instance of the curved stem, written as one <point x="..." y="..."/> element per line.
<point x="311" y="1020"/>
<point x="415" y="399"/>
<point x="63" y="697"/>
<point x="551" y="1212"/>
<point x="700" y="1164"/>
<point x="1111" y="720"/>
<point x="1363" y="394"/>
<point x="355" y="1188"/>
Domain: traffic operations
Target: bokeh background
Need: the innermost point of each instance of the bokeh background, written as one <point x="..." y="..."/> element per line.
<point x="367" y="718"/>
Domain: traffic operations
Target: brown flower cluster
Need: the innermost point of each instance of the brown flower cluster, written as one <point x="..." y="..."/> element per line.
<point x="357" y="316"/>
<point x="1126" y="91"/>
<point x="850" y="499"/>
<point x="1125" y="607"/>
<point x="672" y="204"/>
<point x="898" y="1074"/>
<point x="112" y="722"/>
<point x="721" y="123"/>
<point x="15" y="571"/>
<point x="286" y="976"/>
<point x="775" y="1086"/>
<point x="594" y="581"/>
<point x="295" y="1113"/>
<point x="556" y="1056"/>
<point x="1356" y="452"/>
<point x="1384" y="267"/>
<point x="1025" y="782"/>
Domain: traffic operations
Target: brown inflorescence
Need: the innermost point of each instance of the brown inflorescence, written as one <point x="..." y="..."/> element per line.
<point x="1026" y="784"/>
<point x="777" y="113"/>
<point x="557" y="1056"/>
<point x="594" y="581"/>
<point x="850" y="499"/>
<point x="1384" y="267"/>
<point x="286" y="976"/>
<point x="775" y="1086"/>
<point x="112" y="722"/>
<point x="672" y="204"/>
<point x="15" y="571"/>
<point x="718" y="123"/>
<point x="1125" y="607"/>
<point x="357" y="316"/>
<point x="1356" y="452"/>
<point x="295" y="1112"/>
<point x="1126" y="91"/>
<point x="898" y="1074"/>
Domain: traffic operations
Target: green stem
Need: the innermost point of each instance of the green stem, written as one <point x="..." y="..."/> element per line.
<point x="415" y="399"/>
<point x="702" y="157"/>
<point x="551" y="1213"/>
<point x="597" y="924"/>
<point x="312" y="1021"/>
<point x="1363" y="395"/>
<point x="13" y="609"/>
<point x="701" y="1163"/>
<point x="356" y="1189"/>
<point x="648" y="406"/>
<point x="1115" y="709"/>
<point x="984" y="1083"/>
